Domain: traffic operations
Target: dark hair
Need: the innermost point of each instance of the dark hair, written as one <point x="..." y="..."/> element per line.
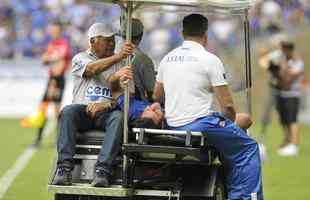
<point x="195" y="25"/>
<point x="57" y="23"/>
<point x="137" y="39"/>
<point x="145" y="123"/>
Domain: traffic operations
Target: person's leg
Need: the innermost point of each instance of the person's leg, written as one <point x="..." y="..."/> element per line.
<point x="283" y="117"/>
<point x="294" y="136"/>
<point x="267" y="110"/>
<point x="294" y="105"/>
<point x="243" y="120"/>
<point x="58" y="98"/>
<point x="286" y="135"/>
<point x="53" y="94"/>
<point x="72" y="118"/>
<point x="58" y="93"/>
<point x="112" y="123"/>
<point x="38" y="139"/>
<point x="42" y="108"/>
<point x="240" y="154"/>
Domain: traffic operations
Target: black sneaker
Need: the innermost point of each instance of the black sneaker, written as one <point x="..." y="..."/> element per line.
<point x="101" y="179"/>
<point x="63" y="176"/>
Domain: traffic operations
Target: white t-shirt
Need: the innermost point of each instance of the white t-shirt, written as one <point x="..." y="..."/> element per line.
<point x="187" y="74"/>
<point x="95" y="89"/>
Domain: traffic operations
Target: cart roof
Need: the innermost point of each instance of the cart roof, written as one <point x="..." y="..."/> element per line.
<point x="191" y="5"/>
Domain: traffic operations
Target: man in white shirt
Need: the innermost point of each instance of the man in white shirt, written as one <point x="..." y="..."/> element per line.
<point x="185" y="77"/>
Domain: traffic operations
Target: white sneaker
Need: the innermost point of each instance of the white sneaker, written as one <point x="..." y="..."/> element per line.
<point x="288" y="150"/>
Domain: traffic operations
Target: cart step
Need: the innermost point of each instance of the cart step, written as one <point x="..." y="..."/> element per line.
<point x="114" y="190"/>
<point x="87" y="189"/>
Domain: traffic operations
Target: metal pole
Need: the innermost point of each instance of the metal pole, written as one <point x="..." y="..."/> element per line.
<point x="248" y="67"/>
<point x="129" y="10"/>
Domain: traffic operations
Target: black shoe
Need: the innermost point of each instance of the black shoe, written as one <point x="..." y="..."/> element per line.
<point x="63" y="176"/>
<point x="101" y="179"/>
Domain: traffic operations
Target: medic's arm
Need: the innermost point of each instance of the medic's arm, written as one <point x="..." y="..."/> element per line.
<point x="159" y="92"/>
<point x="225" y="100"/>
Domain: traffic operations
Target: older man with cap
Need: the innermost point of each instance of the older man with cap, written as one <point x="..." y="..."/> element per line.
<point x="91" y="71"/>
<point x="142" y="65"/>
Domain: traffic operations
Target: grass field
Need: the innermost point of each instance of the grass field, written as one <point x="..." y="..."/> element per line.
<point x="284" y="178"/>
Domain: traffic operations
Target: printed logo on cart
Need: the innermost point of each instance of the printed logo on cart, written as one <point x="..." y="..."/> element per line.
<point x="96" y="93"/>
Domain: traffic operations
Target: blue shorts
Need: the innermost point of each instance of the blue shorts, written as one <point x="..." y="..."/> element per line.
<point x="239" y="152"/>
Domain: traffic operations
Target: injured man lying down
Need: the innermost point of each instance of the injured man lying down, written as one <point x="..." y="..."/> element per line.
<point x="144" y="114"/>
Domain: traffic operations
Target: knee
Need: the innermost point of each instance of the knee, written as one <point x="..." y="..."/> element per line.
<point x="69" y="111"/>
<point x="243" y="120"/>
<point x="117" y="116"/>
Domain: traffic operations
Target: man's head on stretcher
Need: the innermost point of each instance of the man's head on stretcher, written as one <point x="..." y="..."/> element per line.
<point x="150" y="115"/>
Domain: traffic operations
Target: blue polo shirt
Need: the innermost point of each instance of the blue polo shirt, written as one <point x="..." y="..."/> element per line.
<point x="136" y="107"/>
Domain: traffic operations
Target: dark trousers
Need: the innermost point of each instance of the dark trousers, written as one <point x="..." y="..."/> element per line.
<point x="73" y="118"/>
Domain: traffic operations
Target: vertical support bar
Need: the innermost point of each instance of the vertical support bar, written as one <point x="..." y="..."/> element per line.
<point x="129" y="10"/>
<point x="248" y="67"/>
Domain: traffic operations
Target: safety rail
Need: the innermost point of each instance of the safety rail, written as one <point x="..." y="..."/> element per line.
<point x="188" y="135"/>
<point x="167" y="132"/>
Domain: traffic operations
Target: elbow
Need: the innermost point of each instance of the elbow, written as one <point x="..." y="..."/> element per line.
<point x="89" y="72"/>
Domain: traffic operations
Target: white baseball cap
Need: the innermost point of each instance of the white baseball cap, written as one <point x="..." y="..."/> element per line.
<point x="101" y="29"/>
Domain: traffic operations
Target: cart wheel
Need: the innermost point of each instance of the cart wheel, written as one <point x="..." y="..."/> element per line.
<point x="66" y="197"/>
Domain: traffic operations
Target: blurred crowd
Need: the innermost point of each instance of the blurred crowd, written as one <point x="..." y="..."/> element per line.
<point x="24" y="24"/>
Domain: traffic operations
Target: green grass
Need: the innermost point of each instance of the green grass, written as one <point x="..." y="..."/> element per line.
<point x="32" y="182"/>
<point x="284" y="178"/>
<point x="13" y="141"/>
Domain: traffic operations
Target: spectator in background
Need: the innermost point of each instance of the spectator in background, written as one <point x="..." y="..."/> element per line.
<point x="271" y="17"/>
<point x="6" y="39"/>
<point x="289" y="75"/>
<point x="306" y="7"/>
<point x="57" y="57"/>
<point x="159" y="43"/>
<point x="29" y="19"/>
<point x="223" y="29"/>
<point x="287" y="69"/>
<point x="6" y="30"/>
